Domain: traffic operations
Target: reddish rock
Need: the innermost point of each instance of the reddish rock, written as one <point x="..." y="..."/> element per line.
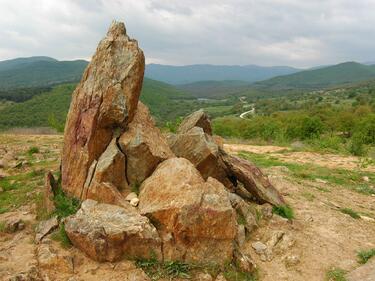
<point x="194" y="218"/>
<point x="104" y="102"/>
<point x="196" y="119"/>
<point x="144" y="146"/>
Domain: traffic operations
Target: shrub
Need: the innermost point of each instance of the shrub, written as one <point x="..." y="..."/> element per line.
<point x="350" y="212"/>
<point x="32" y="150"/>
<point x="336" y="274"/>
<point x="284" y="211"/>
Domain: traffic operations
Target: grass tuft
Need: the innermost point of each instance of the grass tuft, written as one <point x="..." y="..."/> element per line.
<point x="336" y="274"/>
<point x="170" y="269"/>
<point x="233" y="273"/>
<point x="32" y="150"/>
<point x="365" y="255"/>
<point x="61" y="236"/>
<point x="65" y="205"/>
<point x="350" y="212"/>
<point x="284" y="211"/>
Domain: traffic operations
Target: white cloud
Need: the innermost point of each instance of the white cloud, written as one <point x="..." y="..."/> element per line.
<point x="268" y="32"/>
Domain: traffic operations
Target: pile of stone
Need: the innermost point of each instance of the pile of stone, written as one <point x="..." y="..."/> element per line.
<point x="145" y="195"/>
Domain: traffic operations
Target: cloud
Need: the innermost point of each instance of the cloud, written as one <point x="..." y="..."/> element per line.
<point x="268" y="32"/>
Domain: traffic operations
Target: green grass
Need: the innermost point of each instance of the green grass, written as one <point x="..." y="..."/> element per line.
<point x="284" y="211"/>
<point x="350" y="179"/>
<point x="61" y="237"/>
<point x="365" y="255"/>
<point x="309" y="196"/>
<point x="336" y="274"/>
<point x="19" y="189"/>
<point x="32" y="150"/>
<point x="65" y="206"/>
<point x="350" y="212"/>
<point x="169" y="269"/>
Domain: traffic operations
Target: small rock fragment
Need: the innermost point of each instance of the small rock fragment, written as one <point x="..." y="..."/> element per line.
<point x="292" y="260"/>
<point x="259" y="247"/>
<point x="14" y="225"/>
<point x="131" y="196"/>
<point x="45" y="227"/>
<point x="134" y="202"/>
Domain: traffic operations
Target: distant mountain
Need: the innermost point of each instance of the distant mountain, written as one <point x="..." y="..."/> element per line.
<point x="177" y="75"/>
<point x="39" y="72"/>
<point x="340" y="74"/>
<point x="214" y="89"/>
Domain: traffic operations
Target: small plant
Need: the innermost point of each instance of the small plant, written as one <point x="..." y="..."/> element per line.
<point x="32" y="150"/>
<point x="61" y="236"/>
<point x="309" y="196"/>
<point x="241" y="218"/>
<point x="336" y="274"/>
<point x="170" y="269"/>
<point x="135" y="188"/>
<point x="365" y="255"/>
<point x="65" y="206"/>
<point x="284" y="211"/>
<point x="350" y="212"/>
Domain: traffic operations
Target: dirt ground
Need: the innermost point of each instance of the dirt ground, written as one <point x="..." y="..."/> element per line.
<point x="317" y="240"/>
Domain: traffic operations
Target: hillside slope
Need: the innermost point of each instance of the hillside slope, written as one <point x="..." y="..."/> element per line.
<point x="344" y="73"/>
<point x="176" y="75"/>
<point x="39" y="72"/>
<point x="35" y="112"/>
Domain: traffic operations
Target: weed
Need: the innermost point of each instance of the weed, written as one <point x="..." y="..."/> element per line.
<point x="61" y="236"/>
<point x="284" y="211"/>
<point x="365" y="255"/>
<point x="135" y="188"/>
<point x="241" y="218"/>
<point x="32" y="150"/>
<point x="65" y="205"/>
<point x="350" y="212"/>
<point x="170" y="269"/>
<point x="336" y="274"/>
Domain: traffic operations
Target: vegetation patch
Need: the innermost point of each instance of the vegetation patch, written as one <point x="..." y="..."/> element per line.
<point x="65" y="205"/>
<point x="365" y="255"/>
<point x="350" y="179"/>
<point x="2" y="226"/>
<point x="60" y="236"/>
<point x="284" y="211"/>
<point x="170" y="269"/>
<point x="32" y="150"/>
<point x="336" y="274"/>
<point x="233" y="273"/>
<point x="350" y="212"/>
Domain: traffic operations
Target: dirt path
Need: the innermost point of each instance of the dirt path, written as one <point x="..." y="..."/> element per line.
<point x="331" y="161"/>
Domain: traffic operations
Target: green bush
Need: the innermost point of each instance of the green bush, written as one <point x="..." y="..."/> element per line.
<point x="284" y="211"/>
<point x="365" y="255"/>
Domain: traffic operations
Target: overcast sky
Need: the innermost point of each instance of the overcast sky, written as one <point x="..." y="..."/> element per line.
<point x="298" y="33"/>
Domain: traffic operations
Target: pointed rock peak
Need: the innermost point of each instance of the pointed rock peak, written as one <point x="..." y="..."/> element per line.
<point x="116" y="29"/>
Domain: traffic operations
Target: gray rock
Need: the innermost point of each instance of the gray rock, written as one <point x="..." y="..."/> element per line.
<point x="45" y="227"/>
<point x="259" y="247"/>
<point x="14" y="225"/>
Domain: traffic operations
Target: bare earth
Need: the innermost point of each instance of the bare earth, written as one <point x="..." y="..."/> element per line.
<point x="318" y="239"/>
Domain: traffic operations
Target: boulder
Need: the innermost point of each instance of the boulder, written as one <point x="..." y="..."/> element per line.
<point x="103" y="104"/>
<point x="196" y="119"/>
<point x="194" y="218"/>
<point x="252" y="178"/>
<point x="144" y="146"/>
<point x="108" y="232"/>
<point x="201" y="150"/>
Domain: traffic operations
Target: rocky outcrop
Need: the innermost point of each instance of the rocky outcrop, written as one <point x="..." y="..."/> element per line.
<point x="196" y="119"/>
<point x="108" y="232"/>
<point x="201" y="150"/>
<point x="104" y="103"/>
<point x="144" y="146"/>
<point x="252" y="178"/>
<point x="193" y="217"/>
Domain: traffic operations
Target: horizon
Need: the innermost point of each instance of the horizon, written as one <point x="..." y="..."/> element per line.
<point x="369" y="62"/>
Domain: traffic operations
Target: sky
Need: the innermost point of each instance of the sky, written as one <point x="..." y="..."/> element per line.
<point x="299" y="33"/>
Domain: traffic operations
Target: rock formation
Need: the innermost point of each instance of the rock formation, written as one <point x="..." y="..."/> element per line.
<point x="186" y="209"/>
<point x="103" y="104"/>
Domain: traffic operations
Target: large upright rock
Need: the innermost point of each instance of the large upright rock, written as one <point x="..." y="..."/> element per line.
<point x="144" y="146"/>
<point x="196" y="119"/>
<point x="194" y="218"/>
<point x="103" y="103"/>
